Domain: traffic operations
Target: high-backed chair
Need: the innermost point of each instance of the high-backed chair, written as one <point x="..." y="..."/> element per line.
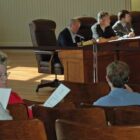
<point x="85" y="29"/>
<point x="68" y="130"/>
<point x="43" y="35"/>
<point x="95" y="117"/>
<point x="136" y="21"/>
<point x="22" y="130"/>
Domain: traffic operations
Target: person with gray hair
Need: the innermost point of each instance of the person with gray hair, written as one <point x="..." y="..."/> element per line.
<point x="4" y="114"/>
<point x="102" y="31"/>
<point x="68" y="37"/>
<point x="117" y="76"/>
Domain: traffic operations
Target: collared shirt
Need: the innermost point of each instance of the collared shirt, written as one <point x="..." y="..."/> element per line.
<point x="119" y="97"/>
<point x="98" y="32"/>
<point x="122" y="29"/>
<point x="72" y="35"/>
<point x="127" y="27"/>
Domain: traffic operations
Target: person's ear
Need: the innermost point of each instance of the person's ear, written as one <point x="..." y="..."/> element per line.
<point x="107" y="79"/>
<point x="109" y="82"/>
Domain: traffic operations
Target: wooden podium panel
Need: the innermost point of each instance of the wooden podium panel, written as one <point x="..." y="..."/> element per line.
<point x="104" y="58"/>
<point x="79" y="65"/>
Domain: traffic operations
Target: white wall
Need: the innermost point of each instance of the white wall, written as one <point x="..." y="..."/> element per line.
<point x="15" y="15"/>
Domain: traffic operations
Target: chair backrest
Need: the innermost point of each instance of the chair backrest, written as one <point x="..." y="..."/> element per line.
<point x="113" y="18"/>
<point x="125" y="115"/>
<point x="67" y="130"/>
<point x="85" y="29"/>
<point x="95" y="117"/>
<point x="22" y="130"/>
<point x="129" y="115"/>
<point x="87" y="93"/>
<point x="136" y="21"/>
<point x="43" y="32"/>
<point x="18" y="111"/>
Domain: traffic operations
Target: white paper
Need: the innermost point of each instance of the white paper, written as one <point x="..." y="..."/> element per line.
<point x="4" y="96"/>
<point x="57" y="96"/>
<point x="121" y="38"/>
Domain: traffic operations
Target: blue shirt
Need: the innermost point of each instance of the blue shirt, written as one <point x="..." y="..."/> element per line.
<point x="119" y="97"/>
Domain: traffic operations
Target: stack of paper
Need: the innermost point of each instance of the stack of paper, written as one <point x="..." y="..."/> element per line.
<point x="57" y="96"/>
<point x="4" y="96"/>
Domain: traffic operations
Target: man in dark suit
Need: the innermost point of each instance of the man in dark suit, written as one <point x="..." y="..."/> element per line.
<point x="68" y="37"/>
<point x="123" y="26"/>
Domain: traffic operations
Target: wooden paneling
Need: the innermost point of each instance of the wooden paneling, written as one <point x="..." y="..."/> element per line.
<point x="79" y="64"/>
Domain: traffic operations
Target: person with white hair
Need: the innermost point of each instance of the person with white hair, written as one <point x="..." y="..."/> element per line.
<point x="68" y="37"/>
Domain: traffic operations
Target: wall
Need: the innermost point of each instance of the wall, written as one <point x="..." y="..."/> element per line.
<point x="135" y="5"/>
<point x="15" y="15"/>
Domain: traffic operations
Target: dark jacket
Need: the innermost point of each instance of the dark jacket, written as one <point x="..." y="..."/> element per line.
<point x="65" y="39"/>
<point x="120" y="30"/>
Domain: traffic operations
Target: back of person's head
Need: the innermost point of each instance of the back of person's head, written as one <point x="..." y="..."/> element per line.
<point x="3" y="58"/>
<point x="122" y="14"/>
<point x="118" y="73"/>
<point x="101" y="15"/>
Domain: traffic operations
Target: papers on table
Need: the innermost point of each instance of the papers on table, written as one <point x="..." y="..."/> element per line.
<point x="4" y="96"/>
<point x="57" y="96"/>
<point x="122" y="38"/>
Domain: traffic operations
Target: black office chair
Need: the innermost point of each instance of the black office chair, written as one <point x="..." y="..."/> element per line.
<point x="85" y="28"/>
<point x="43" y="35"/>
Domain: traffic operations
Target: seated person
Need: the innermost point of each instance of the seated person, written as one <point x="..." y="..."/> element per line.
<point x="102" y="31"/>
<point x="14" y="98"/>
<point x="69" y="37"/>
<point x="121" y="94"/>
<point x="123" y="26"/>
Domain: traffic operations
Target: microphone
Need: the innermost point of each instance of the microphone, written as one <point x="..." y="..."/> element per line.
<point x="81" y="37"/>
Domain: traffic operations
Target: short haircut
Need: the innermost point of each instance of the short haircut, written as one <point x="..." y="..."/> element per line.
<point x="118" y="73"/>
<point x="102" y="14"/>
<point x="122" y="14"/>
<point x="74" y="20"/>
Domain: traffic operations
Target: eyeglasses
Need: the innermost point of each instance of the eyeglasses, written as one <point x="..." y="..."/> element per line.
<point x="4" y="75"/>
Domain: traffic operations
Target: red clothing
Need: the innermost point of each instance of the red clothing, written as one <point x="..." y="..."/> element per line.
<point x="15" y="99"/>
